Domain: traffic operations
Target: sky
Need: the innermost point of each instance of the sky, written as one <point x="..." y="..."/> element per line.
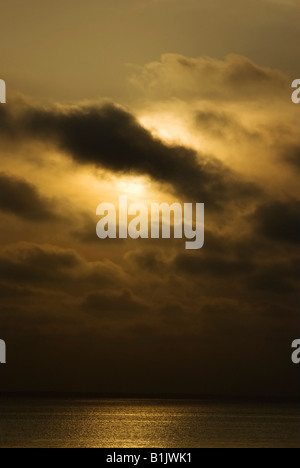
<point x="162" y="101"/>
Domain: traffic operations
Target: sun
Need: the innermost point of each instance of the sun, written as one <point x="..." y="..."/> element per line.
<point x="133" y="186"/>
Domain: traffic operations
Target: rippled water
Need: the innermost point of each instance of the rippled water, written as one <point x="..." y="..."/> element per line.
<point x="146" y="424"/>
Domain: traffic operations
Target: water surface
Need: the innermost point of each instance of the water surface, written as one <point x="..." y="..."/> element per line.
<point x="146" y="424"/>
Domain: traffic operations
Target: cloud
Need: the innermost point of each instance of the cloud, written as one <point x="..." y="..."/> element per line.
<point x="34" y="264"/>
<point x="291" y="156"/>
<point x="113" y="305"/>
<point x="276" y="278"/>
<point x="111" y="138"/>
<point x="22" y="199"/>
<point x="235" y="78"/>
<point x="160" y="307"/>
<point x="14" y="291"/>
<point x="53" y="267"/>
<point x="152" y="260"/>
<point x="213" y="266"/>
<point x="223" y="125"/>
<point x="279" y="221"/>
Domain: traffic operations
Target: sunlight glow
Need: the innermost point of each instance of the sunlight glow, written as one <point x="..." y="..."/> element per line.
<point x="131" y="186"/>
<point x="169" y="128"/>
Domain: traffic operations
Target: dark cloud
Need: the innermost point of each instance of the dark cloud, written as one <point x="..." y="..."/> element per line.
<point x="113" y="305"/>
<point x="152" y="260"/>
<point x="282" y="312"/>
<point x="23" y="200"/>
<point x="292" y="156"/>
<point x="279" y="221"/>
<point x="212" y="265"/>
<point x="49" y="266"/>
<point x="13" y="291"/>
<point x="36" y="264"/>
<point x="111" y="138"/>
<point x="257" y="274"/>
<point x="276" y="278"/>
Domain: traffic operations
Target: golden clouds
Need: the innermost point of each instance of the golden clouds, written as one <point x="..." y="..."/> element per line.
<point x="222" y="132"/>
<point x="235" y="78"/>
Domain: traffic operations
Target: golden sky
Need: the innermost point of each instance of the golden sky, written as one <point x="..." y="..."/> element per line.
<point x="161" y="100"/>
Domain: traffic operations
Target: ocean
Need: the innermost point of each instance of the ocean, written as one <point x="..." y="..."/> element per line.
<point x="146" y="423"/>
